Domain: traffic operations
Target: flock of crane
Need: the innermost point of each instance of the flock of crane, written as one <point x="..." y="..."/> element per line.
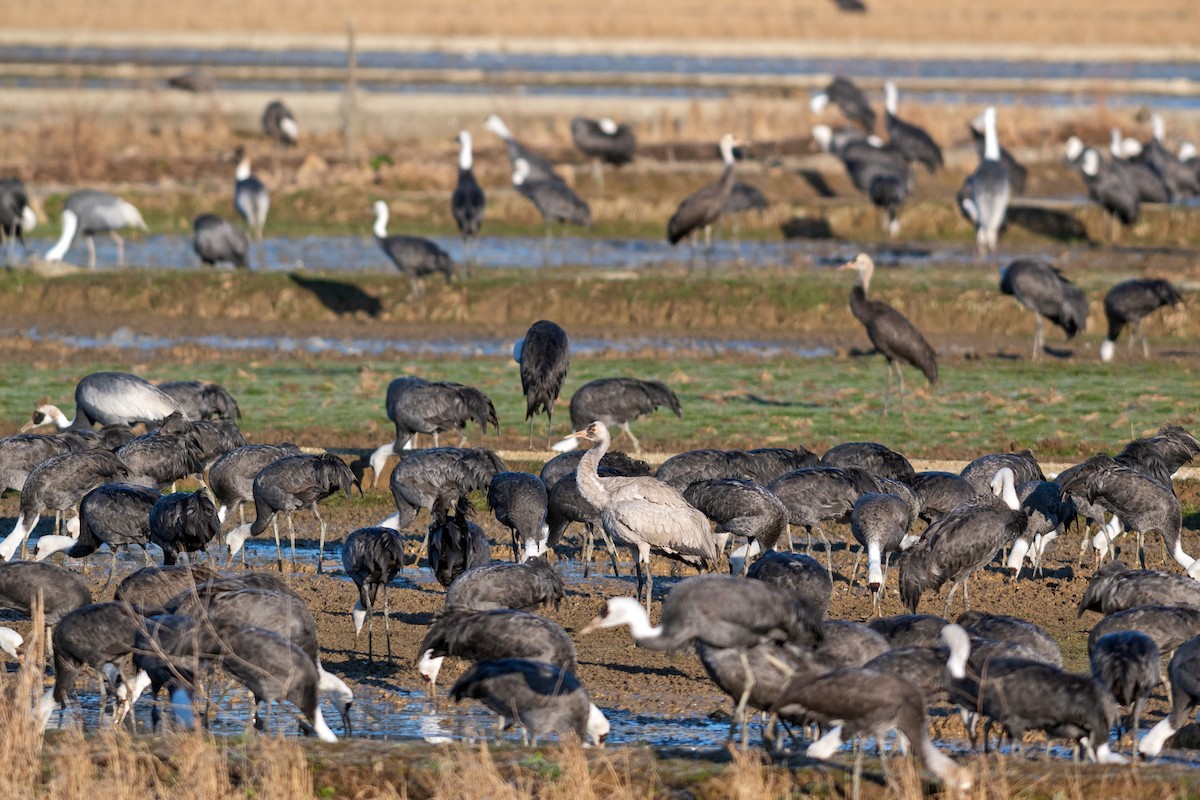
<point x="1135" y="173"/>
<point x="762" y="633"/>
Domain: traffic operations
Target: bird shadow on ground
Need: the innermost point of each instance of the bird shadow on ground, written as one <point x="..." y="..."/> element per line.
<point x="1048" y="222"/>
<point x="633" y="669"/>
<point x="817" y="181"/>
<point x="414" y="618"/>
<point x="759" y="400"/>
<point x="340" y="298"/>
<point x="1056" y="352"/>
<point x="806" y="228"/>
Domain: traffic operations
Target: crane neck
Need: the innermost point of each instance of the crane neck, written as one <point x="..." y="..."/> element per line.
<point x="891" y="98"/>
<point x="587" y="476"/>
<point x="991" y="143"/>
<point x="726" y="147"/>
<point x="243" y="170"/>
<point x="70" y="225"/>
<point x="1158" y="127"/>
<point x="465" y="157"/>
<point x="59" y="418"/>
<point x="381" y="221"/>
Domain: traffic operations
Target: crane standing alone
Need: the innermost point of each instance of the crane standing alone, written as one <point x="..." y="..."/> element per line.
<point x="701" y="209"/>
<point x="90" y="212"/>
<point x="250" y="197"/>
<point x="985" y="194"/>
<point x="468" y="202"/>
<point x="1128" y="303"/>
<point x="545" y="356"/>
<point x="414" y="256"/>
<point x="1043" y="290"/>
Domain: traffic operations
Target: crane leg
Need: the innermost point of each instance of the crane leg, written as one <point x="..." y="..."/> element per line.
<point x="612" y="552"/>
<point x="292" y="538"/>
<point x="1145" y="344"/>
<point x="1039" y="337"/>
<point x="91" y="253"/>
<point x="637" y="446"/>
<point x="950" y="599"/>
<point x="744" y="702"/>
<point x="531" y="433"/>
<point x="387" y="624"/>
<point x="278" y="545"/>
<point x="598" y="174"/>
<point x="370" y="634"/>
<point x="887" y="392"/>
<point x="321" y="548"/>
<point x="549" y="430"/>
<point x="120" y="247"/>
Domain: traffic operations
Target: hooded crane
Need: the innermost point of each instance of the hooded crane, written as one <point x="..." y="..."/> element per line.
<point x="1042" y="289"/>
<point x="416" y="405"/>
<point x="540" y="697"/>
<point x="801" y="575"/>
<point x="414" y="256"/>
<point x="939" y="493"/>
<point x="1184" y="674"/>
<point x="183" y="522"/>
<point x="109" y="398"/>
<point x="90" y="212"/>
<point x="545" y="356"/>
<point x="149" y="588"/>
<point x="1128" y="303"/>
<point x="59" y="483"/>
<point x="494" y="634"/>
<point x="116" y="514"/>
<point x="554" y="200"/>
<point x="160" y="458"/>
<point x="1049" y="513"/>
<point x="467" y="202"/>
<point x="1107" y="185"/>
<point x="702" y="208"/>
<point x="719" y="611"/>
<point x="741" y="508"/>
<point x="762" y="465"/>
<point x="1128" y="665"/>
<point x="61" y="590"/>
<point x="446" y="473"/>
<point x="604" y="141"/>
<point x="616" y="402"/>
<point x="1145" y="181"/>
<point x="19" y="454"/>
<point x="16" y="215"/>
<point x="889" y="331"/>
<point x="501" y="584"/>
<point x="1017" y="172"/>
<point x="986" y="191"/>
<point x="231" y="477"/>
<point x="850" y="99"/>
<point x="1115" y="587"/>
<point x="962" y="542"/>
<point x="880" y="524"/>
<point x="518" y="499"/>
<point x="455" y="544"/>
<point x="216" y="239"/>
<point x="1020" y="695"/>
<point x="1140" y="502"/>
<point x="250" y="196"/>
<point x="286" y="485"/>
<point x="909" y="139"/>
<point x="279" y="124"/>
<point x="878" y="170"/>
<point x="644" y="514"/>
<point x="877" y="460"/>
<point x="372" y="557"/>
<point x="200" y="400"/>
<point x="816" y="494"/>
<point x="982" y="471"/>
<point x="1181" y="181"/>
<point x="539" y="168"/>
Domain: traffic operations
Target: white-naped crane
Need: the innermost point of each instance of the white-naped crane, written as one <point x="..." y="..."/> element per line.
<point x="372" y="557"/>
<point x="889" y="331"/>
<point x="700" y="210"/>
<point x="90" y="212"/>
<point x="544" y="355"/>
<point x="109" y="398"/>
<point x="1044" y="290"/>
<point x="1128" y="303"/>
<point x="279" y="124"/>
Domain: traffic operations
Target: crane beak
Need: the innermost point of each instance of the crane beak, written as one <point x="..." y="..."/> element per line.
<point x="578" y="435"/>
<point x="593" y="625"/>
<point x="28" y="426"/>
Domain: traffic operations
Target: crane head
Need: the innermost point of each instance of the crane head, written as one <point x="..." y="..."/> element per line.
<point x="861" y="262"/>
<point x="620" y="611"/>
<point x="597" y="727"/>
<point x="595" y="432"/>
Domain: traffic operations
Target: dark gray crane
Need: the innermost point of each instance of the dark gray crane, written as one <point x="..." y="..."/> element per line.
<point x="817" y="494"/>
<point x="1022" y="695"/>
<point x="567" y="463"/>
<point x="61" y="590"/>
<point x="201" y="400"/>
<point x="279" y="124"/>
<point x="963" y="541"/>
<point x="90" y="212"/>
<point x="1145" y="181"/>
<point x="414" y="256"/>
<point x="605" y="141"/>
<point x="518" y="499"/>
<point x="544" y="355"/>
<point x="109" y="398"/>
<point x="216" y="240"/>
<point x="448" y="473"/>
<point x="763" y="465"/>
<point x="880" y="523"/>
<point x="1044" y="290"/>
<point x="848" y="644"/>
<point x="149" y="588"/>
<point x="20" y="453"/>
<point x="183" y="522"/>
<point x="985" y="193"/>
<point x="616" y="402"/>
<point x="1168" y="626"/>
<point x="1128" y="665"/>
<point x="231" y="477"/>
<point x="538" y="696"/>
<point x="1003" y="628"/>
<point x="770" y="667"/>
<point x="455" y="544"/>
<point x="372" y="557"/>
<point x="161" y="458"/>
<point x="889" y="331"/>
<point x="16" y="215"/>
<point x="467" y="201"/>
<point x="251" y="200"/>
<point x="849" y="99"/>
<point x="1128" y="303"/>
<point x="913" y="141"/>
<point x="1049" y="513"/>
<point x="494" y="634"/>
<point x="540" y="169"/>
<point x="878" y="170"/>
<point x="59" y="483"/>
<point x="911" y="630"/>
<point x="1182" y="182"/>
<point x="116" y="514"/>
<point x="502" y="584"/>
<point x="700" y="210"/>
<point x="288" y="484"/>
<point x="644" y="514"/>
<point x="939" y="493"/>
<point x="980" y="472"/>
<point x="877" y="460"/>
<point x="1018" y="173"/>
<point x="743" y="508"/>
<point x="801" y="575"/>
<point x="416" y="405"/>
<point x="1115" y="587"/>
<point x="1184" y="673"/>
<point x="554" y="200"/>
<point x="1108" y="185"/>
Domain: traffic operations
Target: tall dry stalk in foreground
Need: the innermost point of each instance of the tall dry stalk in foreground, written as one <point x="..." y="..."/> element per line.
<point x="20" y="733"/>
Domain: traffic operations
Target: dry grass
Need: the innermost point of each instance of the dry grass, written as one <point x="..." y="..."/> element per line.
<point x="1161" y="23"/>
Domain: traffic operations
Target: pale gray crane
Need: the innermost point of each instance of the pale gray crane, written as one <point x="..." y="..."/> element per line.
<point x="109" y="398"/>
<point x="90" y="212"/>
<point x="250" y="197"/>
<point x="986" y="191"/>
